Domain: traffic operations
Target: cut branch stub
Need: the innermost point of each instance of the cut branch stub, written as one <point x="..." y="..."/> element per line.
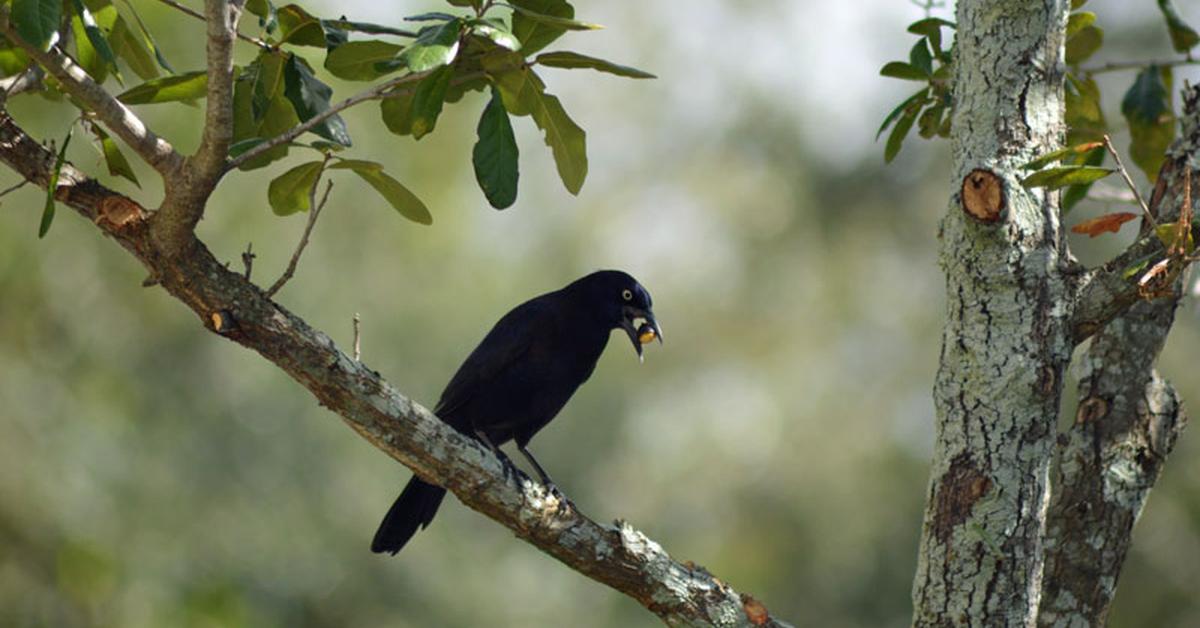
<point x="983" y="195"/>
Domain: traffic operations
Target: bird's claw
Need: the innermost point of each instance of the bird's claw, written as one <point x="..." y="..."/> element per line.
<point x="564" y="502"/>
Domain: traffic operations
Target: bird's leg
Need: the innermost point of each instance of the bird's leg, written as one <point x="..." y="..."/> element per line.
<point x="551" y="487"/>
<point x="506" y="464"/>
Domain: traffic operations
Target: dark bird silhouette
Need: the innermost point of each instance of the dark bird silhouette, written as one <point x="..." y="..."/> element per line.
<point x="521" y="375"/>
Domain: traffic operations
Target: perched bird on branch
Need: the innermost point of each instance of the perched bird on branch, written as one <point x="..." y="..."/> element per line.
<point x="521" y="375"/>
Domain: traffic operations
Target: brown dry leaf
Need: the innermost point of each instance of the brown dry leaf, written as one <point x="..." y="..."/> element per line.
<point x="1102" y="224"/>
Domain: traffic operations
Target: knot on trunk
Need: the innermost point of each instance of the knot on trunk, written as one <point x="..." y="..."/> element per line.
<point x="957" y="492"/>
<point x="983" y="195"/>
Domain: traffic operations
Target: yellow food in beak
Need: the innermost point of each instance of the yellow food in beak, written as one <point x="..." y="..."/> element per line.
<point x="646" y="333"/>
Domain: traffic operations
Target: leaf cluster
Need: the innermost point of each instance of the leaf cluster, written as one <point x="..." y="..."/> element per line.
<point x="417" y="67"/>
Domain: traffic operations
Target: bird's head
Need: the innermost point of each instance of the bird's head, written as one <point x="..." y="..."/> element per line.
<point x="622" y="302"/>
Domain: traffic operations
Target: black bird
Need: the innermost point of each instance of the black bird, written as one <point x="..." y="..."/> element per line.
<point x="521" y="375"/>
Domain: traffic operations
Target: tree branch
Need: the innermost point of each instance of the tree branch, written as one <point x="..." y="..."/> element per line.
<point x="616" y="555"/>
<point x="314" y="211"/>
<point x="113" y="113"/>
<point x="1106" y="292"/>
<point x="1128" y="418"/>
<point x="187" y="11"/>
<point x="222" y="20"/>
<point x="1117" y="66"/>
<point x="378" y="91"/>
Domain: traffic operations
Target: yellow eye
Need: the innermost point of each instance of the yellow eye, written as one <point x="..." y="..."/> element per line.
<point x="627" y="295"/>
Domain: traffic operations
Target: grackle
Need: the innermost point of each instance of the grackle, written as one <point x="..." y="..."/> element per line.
<point x="521" y="375"/>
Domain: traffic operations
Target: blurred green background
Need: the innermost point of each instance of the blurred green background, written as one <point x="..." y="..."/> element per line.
<point x="153" y="474"/>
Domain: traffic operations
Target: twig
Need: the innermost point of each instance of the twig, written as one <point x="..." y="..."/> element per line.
<point x="1119" y="66"/>
<point x="1183" y="226"/>
<point x="1112" y="150"/>
<point x="357" y="337"/>
<point x="375" y="92"/>
<point x="248" y="259"/>
<point x="14" y="188"/>
<point x="312" y="220"/>
<point x="246" y="38"/>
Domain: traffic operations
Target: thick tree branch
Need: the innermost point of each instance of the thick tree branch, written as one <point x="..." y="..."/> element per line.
<point x="1005" y="341"/>
<point x="1128" y="418"/>
<point x="616" y="555"/>
<point x="119" y="119"/>
<point x="1127" y="422"/>
<point x="383" y="90"/>
<point x="1106" y="292"/>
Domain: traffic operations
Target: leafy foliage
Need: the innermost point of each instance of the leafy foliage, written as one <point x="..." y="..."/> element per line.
<point x="438" y="60"/>
<point x="931" y="108"/>
<point x="1147" y="106"/>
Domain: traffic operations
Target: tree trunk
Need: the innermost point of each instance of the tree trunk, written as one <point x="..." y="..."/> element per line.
<point x="1007" y="337"/>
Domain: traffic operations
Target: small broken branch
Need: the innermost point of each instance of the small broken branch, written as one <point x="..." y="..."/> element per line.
<point x="357" y="337"/>
<point x="312" y="221"/>
<point x="1112" y="150"/>
<point x="248" y="259"/>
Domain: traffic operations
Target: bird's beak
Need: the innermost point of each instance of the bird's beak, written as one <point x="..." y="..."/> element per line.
<point x="632" y="320"/>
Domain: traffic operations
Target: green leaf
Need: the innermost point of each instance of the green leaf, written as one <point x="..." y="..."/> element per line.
<point x="1079" y="21"/>
<point x="187" y="86"/>
<point x="289" y="192"/>
<point x="495" y="155"/>
<point x="903" y="71"/>
<point x="553" y="20"/>
<point x="930" y="121"/>
<point x="931" y="27"/>
<point x="13" y="61"/>
<point x="36" y="21"/>
<point x="495" y="30"/>
<point x="310" y="97"/>
<point x="1062" y="176"/>
<point x="1060" y="154"/>
<point x="1183" y="37"/>
<point x="534" y="34"/>
<point x="474" y="4"/>
<point x="361" y="60"/>
<point x="1167" y="234"/>
<point x="261" y="8"/>
<point x="1148" y="109"/>
<point x="299" y="27"/>
<point x="427" y="101"/>
<point x="1083" y="44"/>
<point x="162" y="61"/>
<point x="1075" y="4"/>
<point x="400" y="198"/>
<point x="434" y="47"/>
<point x="916" y="100"/>
<point x="52" y="186"/>
<point x="95" y="37"/>
<point x="1075" y="193"/>
<point x="567" y="142"/>
<point x="575" y="60"/>
<point x="896" y="140"/>
<point x="397" y="112"/>
<point x="519" y="86"/>
<point x="920" y="58"/>
<point x="118" y="166"/>
<point x="1084" y="116"/>
<point x="128" y="46"/>
<point x="278" y="115"/>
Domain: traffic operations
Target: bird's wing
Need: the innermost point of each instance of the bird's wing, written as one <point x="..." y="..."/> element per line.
<point x="509" y="340"/>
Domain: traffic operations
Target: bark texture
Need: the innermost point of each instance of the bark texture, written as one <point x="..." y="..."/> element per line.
<point x="1006" y="339"/>
<point x="1126" y="424"/>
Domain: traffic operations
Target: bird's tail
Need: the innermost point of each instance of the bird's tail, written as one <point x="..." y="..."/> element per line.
<point x="414" y="508"/>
